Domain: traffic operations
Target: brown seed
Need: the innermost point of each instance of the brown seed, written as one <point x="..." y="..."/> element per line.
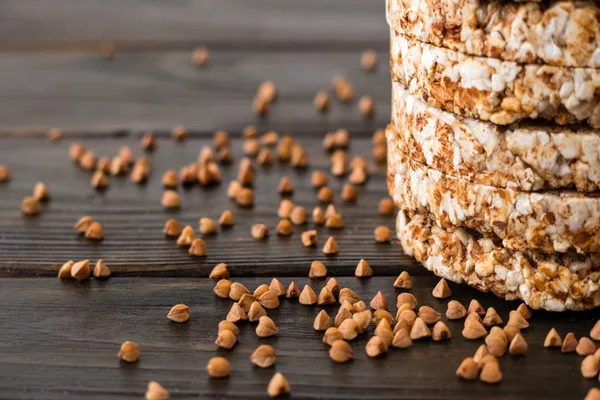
<point x="236" y="313"/>
<point x="169" y="179"/>
<point x="218" y="367"/>
<point x="585" y="347"/>
<point x="383" y="327"/>
<point x="363" y="269"/>
<point x="197" y="248"/>
<point x="318" y="179"/>
<point x="285" y="186"/>
<point x="518" y="346"/>
<point x="441" y="290"/>
<point x="233" y="189"/>
<point x="292" y="291"/>
<point x="118" y="166"/>
<point x="308" y="296"/>
<point x="263" y="356"/>
<point x="593" y="394"/>
<point x="265" y="157"/>
<point x="309" y="238"/>
<point x="490" y="373"/>
<point x="224" y="155"/>
<point x="277" y="287"/>
<point x="474" y="329"/>
<point x="256" y="311"/>
<point x="419" y="330"/>
<point x="332" y="335"/>
<point x="376" y="346"/>
<point x="317" y="270"/>
<point x="403" y="281"/>
<point x="386" y="207"/>
<point x="403" y="307"/>
<point x="81" y="270"/>
<point x="335" y="221"/>
<point x="298" y="215"/>
<point x="30" y="206"/>
<point x="148" y="141"/>
<point x="402" y="339"/>
<point x="65" y="270"/>
<point x="325" y="297"/>
<point x="496" y="342"/>
<point x="299" y="158"/>
<point x="284" y="149"/>
<point x="284" y="227"/>
<point x="595" y="332"/>
<point x="342" y="315"/>
<point x="101" y="270"/>
<point x="179" y="133"/>
<point x="553" y="339"/>
<point x="94" y="231"/>
<point x="237" y="291"/>
<point x="344" y="90"/>
<point x="382" y="234"/>
<point x="349" y="193"/>
<point x="4" y="174"/>
<point x="440" y="332"/>
<point x="339" y="163"/>
<point x="362" y="319"/>
<point x="246" y="172"/>
<point x="186" y="237"/>
<point x="407" y="298"/>
<point x="170" y="199"/>
<point x="358" y="176"/>
<point x="476" y="307"/>
<point x="325" y="195"/>
<point x="83" y="224"/>
<point x="285" y="208"/>
<point x="333" y="285"/>
<point x="569" y="344"/>
<point x="511" y="331"/>
<point x="266" y="327"/>
<point x="349" y="329"/>
<point x="368" y="60"/>
<point x="76" y="150"/>
<point x="270" y="138"/>
<point x="524" y="310"/>
<point x="103" y="165"/>
<point x="340" y="351"/>
<point x="40" y="192"/>
<point x="99" y="180"/>
<point x="54" y="134"/>
<point x="366" y="106"/>
<point x="492" y="318"/>
<point x="245" y="197"/>
<point x="200" y="57"/>
<point x="516" y="319"/>
<point x="589" y="367"/>
<point x="348" y="295"/>
<point x="156" y="392"/>
<point x="227" y="325"/>
<point x="226" y="219"/>
<point x="379" y="302"/>
<point x="262" y="289"/>
<point x="226" y="339"/>
<point x="321" y="101"/>
<point x="330" y="211"/>
<point x="129" y="352"/>
<point x="179" y="313"/>
<point x="455" y="310"/>
<point x="269" y="299"/>
<point x="278" y="385"/>
<point x="268" y="91"/>
<point x="207" y="226"/>
<point x="322" y="321"/>
<point x="259" y="231"/>
<point x="379" y="138"/>
<point x="88" y="160"/>
<point x="208" y="174"/>
<point x="429" y="315"/>
<point x="222" y="288"/>
<point x="331" y="246"/>
<point x="481" y="353"/>
<point x="246" y="302"/>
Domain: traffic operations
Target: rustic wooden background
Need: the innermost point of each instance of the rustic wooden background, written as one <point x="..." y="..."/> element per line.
<point x="58" y="339"/>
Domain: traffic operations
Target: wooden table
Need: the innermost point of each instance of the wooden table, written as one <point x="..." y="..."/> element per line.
<point x="58" y="339"/>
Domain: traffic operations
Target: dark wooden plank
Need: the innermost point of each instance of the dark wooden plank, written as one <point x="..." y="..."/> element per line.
<point x="158" y="90"/>
<point x="58" y="340"/>
<point x="33" y="24"/>
<point x="133" y="218"/>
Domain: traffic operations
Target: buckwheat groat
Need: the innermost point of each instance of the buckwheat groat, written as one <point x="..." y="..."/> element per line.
<point x="547" y="222"/>
<point x="563" y="33"/>
<point x="555" y="282"/>
<point x="523" y="157"/>
<point x="489" y="89"/>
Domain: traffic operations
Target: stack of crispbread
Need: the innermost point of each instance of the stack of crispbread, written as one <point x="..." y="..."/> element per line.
<point x="494" y="144"/>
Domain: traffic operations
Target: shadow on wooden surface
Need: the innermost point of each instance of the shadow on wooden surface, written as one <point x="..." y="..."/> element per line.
<point x="59" y="339"/>
<point x="133" y="218"/>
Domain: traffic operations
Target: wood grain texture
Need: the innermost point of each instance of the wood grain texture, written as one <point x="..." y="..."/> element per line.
<point x="59" y="339"/>
<point x="157" y="90"/>
<point x="63" y="24"/>
<point x="133" y="218"/>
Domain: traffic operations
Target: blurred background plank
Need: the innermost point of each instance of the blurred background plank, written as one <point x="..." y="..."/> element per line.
<point x="158" y="90"/>
<point x="223" y="24"/>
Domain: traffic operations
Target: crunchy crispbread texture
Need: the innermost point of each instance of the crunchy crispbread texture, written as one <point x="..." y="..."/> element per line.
<point x="489" y="89"/>
<point x="523" y="157"/>
<point x="555" y="282"/>
<point x="563" y="33"/>
<point x="546" y="221"/>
